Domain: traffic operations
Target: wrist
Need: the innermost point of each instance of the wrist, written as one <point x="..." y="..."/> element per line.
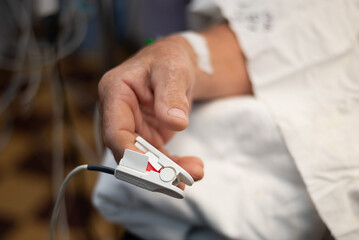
<point x="199" y="45"/>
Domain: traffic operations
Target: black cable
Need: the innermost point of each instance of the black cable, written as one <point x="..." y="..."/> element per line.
<point x="100" y="168"/>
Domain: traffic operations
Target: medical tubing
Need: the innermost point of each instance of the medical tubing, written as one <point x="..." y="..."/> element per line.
<point x="60" y="196"/>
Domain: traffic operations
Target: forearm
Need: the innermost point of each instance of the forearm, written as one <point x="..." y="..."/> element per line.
<point x="229" y="75"/>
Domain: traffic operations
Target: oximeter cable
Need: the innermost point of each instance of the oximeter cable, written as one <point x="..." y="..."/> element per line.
<point x="91" y="167"/>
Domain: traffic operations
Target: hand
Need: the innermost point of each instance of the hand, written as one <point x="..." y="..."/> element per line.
<point x="150" y="95"/>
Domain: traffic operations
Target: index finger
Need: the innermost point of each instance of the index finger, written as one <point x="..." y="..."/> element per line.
<point x="119" y="109"/>
<point x="118" y="125"/>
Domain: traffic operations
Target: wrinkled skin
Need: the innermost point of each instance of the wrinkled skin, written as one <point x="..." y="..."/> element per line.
<point x="150" y="95"/>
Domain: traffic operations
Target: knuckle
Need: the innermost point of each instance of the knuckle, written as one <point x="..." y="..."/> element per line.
<point x="112" y="83"/>
<point x="105" y="81"/>
<point x="176" y="65"/>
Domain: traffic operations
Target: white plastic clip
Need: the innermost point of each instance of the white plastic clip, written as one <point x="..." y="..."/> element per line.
<point x="152" y="170"/>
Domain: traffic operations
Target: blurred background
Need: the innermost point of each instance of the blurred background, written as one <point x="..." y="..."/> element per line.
<point x="52" y="56"/>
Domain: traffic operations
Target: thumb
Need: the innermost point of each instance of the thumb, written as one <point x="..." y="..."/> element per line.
<point x="171" y="103"/>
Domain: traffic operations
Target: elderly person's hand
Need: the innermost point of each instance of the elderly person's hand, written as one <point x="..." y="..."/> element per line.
<point x="151" y="93"/>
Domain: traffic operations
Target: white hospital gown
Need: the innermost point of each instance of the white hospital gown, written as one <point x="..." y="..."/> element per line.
<point x="281" y="165"/>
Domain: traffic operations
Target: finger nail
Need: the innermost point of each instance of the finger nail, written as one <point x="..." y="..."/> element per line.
<point x="175" y="112"/>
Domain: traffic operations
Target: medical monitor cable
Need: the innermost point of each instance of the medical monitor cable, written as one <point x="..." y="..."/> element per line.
<point x="90" y="167"/>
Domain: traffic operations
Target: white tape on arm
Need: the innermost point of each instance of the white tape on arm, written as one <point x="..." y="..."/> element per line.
<point x="199" y="45"/>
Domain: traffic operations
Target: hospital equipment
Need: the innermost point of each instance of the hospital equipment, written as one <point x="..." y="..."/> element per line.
<point x="152" y="170"/>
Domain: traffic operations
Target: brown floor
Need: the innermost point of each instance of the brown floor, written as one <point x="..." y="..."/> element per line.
<point x="26" y="161"/>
